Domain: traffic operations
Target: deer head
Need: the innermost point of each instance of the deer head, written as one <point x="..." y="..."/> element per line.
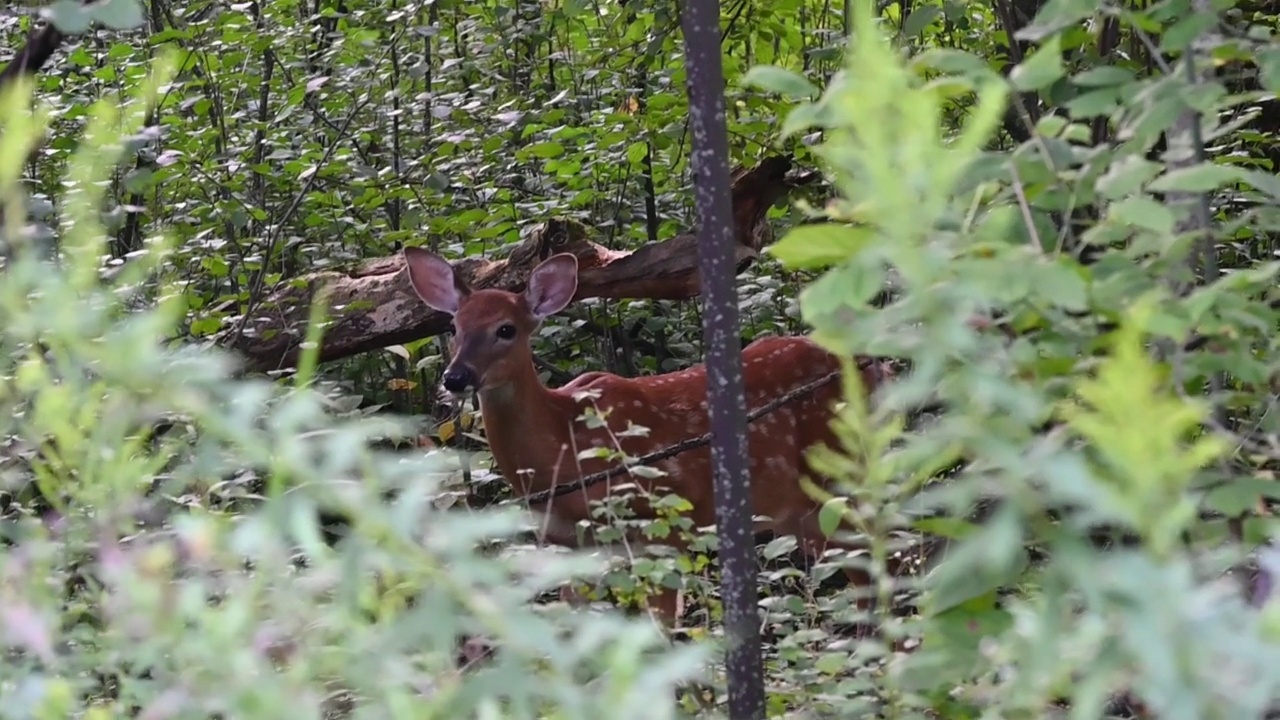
<point x="490" y="346"/>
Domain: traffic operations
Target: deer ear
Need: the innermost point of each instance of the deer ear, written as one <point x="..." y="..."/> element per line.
<point x="434" y="280"/>
<point x="552" y="285"/>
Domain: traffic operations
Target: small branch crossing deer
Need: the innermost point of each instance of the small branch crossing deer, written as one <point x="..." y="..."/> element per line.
<point x="536" y="436"/>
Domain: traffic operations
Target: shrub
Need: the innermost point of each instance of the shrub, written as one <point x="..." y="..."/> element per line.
<point x="164" y="556"/>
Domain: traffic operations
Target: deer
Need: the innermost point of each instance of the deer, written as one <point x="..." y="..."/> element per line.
<point x="536" y="436"/>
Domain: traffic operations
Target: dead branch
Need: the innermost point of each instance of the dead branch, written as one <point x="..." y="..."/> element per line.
<point x="372" y="306"/>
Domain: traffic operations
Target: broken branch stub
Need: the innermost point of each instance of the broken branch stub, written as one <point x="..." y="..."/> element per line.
<point x="372" y="306"/>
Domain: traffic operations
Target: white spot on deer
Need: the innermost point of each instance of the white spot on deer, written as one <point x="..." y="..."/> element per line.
<point x="774" y="445"/>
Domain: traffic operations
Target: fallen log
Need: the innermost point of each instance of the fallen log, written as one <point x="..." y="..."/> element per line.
<point x="372" y="306"/>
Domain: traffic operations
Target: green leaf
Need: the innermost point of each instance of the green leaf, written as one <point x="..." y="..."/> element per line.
<point x="1171" y="323"/>
<point x="963" y="626"/>
<point x="772" y="78"/>
<point x="952" y="528"/>
<point x="1269" y="69"/>
<point x="1061" y="284"/>
<point x="1266" y="182"/>
<point x="121" y="51"/>
<point x="1042" y="69"/>
<point x="1240" y="495"/>
<point x="955" y="62"/>
<point x="1051" y="125"/>
<point x="820" y="245"/>
<point x="841" y="292"/>
<point x="69" y="16"/>
<point x="120" y="14"/>
<point x="831" y="663"/>
<point x="139" y="179"/>
<point x="780" y="546"/>
<point x="636" y="152"/>
<point x="436" y="181"/>
<point x="919" y="19"/>
<point x="216" y="265"/>
<point x="1126" y="175"/>
<point x="1140" y="432"/>
<point x="988" y="559"/>
<point x="1056" y="15"/>
<point x="205" y="326"/>
<point x="1201" y="177"/>
<point x="1143" y="212"/>
<point x="1103" y="75"/>
<point x="802" y="117"/>
<point x="831" y="513"/>
<point x="546" y="150"/>
<point x="1093" y="103"/>
<point x="1180" y="35"/>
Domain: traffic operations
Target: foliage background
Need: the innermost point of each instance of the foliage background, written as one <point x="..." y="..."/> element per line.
<point x="1109" y="438"/>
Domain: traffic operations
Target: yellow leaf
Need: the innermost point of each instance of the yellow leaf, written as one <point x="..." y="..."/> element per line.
<point x="445" y="431"/>
<point x="397" y="384"/>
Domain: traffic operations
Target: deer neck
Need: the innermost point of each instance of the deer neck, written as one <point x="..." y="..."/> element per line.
<point x="522" y="421"/>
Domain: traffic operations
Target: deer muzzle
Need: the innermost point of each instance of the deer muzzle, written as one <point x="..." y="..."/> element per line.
<point x="458" y="378"/>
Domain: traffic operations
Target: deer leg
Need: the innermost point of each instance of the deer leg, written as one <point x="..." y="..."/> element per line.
<point x="666" y="607"/>
<point x="663" y="604"/>
<point x="571" y="594"/>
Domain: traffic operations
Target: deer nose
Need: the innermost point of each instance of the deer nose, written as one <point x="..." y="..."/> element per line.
<point x="458" y="378"/>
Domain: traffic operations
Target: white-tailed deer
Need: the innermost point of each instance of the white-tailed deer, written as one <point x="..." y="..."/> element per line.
<point x="536" y="437"/>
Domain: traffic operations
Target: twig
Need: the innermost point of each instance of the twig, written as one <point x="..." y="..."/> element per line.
<point x="259" y="280"/>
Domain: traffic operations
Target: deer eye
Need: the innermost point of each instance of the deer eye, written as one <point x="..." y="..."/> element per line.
<point x="507" y="331"/>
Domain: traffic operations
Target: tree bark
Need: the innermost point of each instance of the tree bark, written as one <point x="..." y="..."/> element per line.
<point x="40" y="46"/>
<point x="372" y="306"/>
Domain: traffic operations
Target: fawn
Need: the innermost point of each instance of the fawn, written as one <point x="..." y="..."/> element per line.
<point x="535" y="434"/>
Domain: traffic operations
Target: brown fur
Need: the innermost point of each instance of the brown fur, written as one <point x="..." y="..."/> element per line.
<point x="535" y="435"/>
